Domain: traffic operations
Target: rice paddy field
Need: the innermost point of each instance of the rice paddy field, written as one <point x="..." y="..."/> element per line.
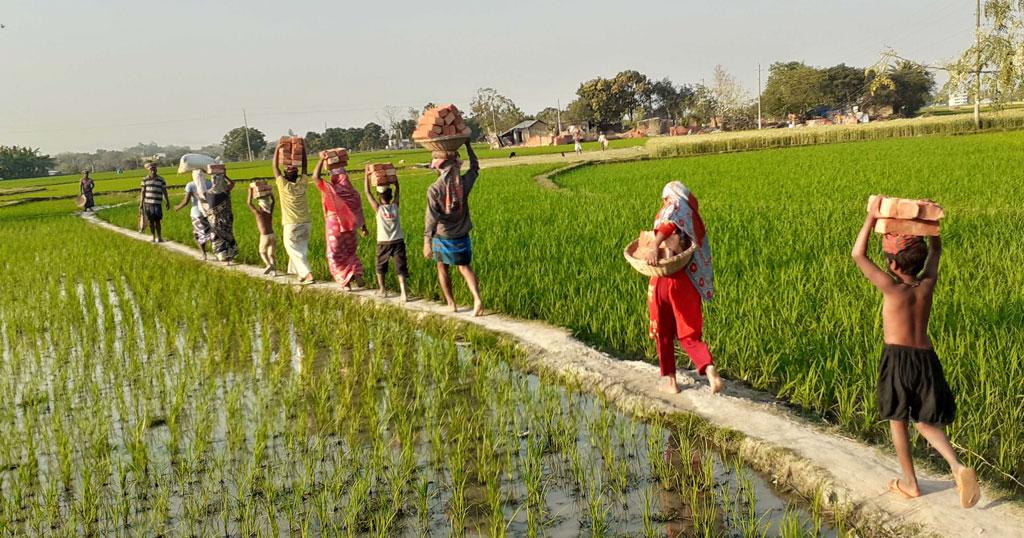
<point x="793" y="315"/>
<point x="147" y="394"/>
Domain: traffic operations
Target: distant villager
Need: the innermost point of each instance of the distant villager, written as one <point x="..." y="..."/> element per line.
<point x="153" y="196"/>
<point x="86" y="186"/>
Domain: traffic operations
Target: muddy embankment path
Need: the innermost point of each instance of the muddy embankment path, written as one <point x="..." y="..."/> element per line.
<point x="805" y="456"/>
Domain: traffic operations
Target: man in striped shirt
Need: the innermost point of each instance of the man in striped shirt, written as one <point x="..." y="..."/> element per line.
<point x="154" y="194"/>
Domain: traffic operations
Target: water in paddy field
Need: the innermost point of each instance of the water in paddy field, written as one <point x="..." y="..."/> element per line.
<point x="146" y="428"/>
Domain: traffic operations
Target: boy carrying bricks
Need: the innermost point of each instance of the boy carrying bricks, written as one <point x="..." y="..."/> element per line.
<point x="390" y="237"/>
<point x="261" y="204"/>
<point x="911" y="384"/>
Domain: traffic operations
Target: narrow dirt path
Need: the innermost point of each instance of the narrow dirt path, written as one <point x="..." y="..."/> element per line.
<point x="798" y="453"/>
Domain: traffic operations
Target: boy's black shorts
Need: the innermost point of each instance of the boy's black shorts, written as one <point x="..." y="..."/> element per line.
<point x="911" y="386"/>
<point x="396" y="250"/>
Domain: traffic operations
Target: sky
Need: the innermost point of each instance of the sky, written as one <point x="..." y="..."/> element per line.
<point x="77" y="75"/>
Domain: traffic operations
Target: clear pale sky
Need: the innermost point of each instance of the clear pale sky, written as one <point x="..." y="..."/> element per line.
<point x="76" y="75"/>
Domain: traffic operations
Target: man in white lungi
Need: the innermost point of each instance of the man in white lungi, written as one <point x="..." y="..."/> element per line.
<point x="291" y="188"/>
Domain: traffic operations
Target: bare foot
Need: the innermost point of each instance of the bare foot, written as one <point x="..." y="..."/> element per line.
<point x="453" y="307"/>
<point x="404" y="299"/>
<point x="478" y="308"/>
<point x="669" y="386"/>
<point x="382" y="293"/>
<point x="714" y="380"/>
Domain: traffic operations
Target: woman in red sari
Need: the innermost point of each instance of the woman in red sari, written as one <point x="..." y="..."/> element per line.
<point x="343" y="215"/>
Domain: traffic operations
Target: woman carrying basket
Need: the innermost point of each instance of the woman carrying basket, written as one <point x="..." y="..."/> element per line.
<point x="85" y="187"/>
<point x="674" y="301"/>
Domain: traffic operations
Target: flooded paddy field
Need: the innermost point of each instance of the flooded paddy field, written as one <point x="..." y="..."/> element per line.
<point x="146" y="395"/>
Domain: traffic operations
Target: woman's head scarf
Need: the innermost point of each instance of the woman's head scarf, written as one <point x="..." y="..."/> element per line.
<point x="681" y="209"/>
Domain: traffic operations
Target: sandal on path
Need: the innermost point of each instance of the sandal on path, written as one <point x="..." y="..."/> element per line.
<point x="967" y="486"/>
<point x="894" y="487"/>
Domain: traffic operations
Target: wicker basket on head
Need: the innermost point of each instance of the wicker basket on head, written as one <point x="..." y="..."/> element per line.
<point x="443" y="143"/>
<point x="666" y="266"/>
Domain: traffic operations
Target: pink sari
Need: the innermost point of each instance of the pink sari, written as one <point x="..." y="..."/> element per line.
<point x="343" y="217"/>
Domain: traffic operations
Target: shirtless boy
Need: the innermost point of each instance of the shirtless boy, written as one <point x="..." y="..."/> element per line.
<point x="911" y="385"/>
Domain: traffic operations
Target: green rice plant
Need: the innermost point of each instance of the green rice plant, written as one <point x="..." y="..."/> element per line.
<point x="597" y="509"/>
<point x="423" y="496"/>
<point x="791" y="527"/>
<point x="647" y="513"/>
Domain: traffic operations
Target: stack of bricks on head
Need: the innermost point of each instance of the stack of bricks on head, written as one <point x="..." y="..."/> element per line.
<point x="445" y="120"/>
<point x="261" y="188"/>
<point x="901" y="216"/>
<point x="293" y="152"/>
<point x="336" y="158"/>
<point x="382" y="174"/>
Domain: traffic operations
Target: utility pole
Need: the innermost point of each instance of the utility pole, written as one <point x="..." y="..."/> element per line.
<point x="245" y="122"/>
<point x="977" y="65"/>
<point x="759" y="96"/>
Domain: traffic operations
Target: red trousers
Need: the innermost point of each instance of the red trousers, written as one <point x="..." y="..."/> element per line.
<point x="675" y="308"/>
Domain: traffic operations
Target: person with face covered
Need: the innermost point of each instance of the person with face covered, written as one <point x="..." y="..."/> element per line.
<point x="447" y="223"/>
<point x="291" y="187"/>
<point x="674" y="301"/>
<point x="222" y="217"/>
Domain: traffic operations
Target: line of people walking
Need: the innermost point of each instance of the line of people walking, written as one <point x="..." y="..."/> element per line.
<point x="446" y="237"/>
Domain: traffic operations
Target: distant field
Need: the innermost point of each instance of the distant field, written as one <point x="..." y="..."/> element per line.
<point x="58" y="186"/>
<point x="681" y="146"/>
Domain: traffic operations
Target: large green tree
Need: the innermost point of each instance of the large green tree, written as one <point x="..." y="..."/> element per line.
<point x="21" y="162"/>
<point x="494" y="111"/>
<point x="792" y="88"/>
<point x="314" y="142"/>
<point x="235" y="147"/>
<point x="338" y="137"/>
<point x="843" y="86"/>
<point x="669" y="101"/>
<point x="906" y="88"/>
<point x="374" y="137"/>
<point x="549" y="115"/>
<point x="633" y="88"/>
<point x="602" y="103"/>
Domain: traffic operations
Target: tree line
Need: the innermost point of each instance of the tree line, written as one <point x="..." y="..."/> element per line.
<point x="20" y="162"/>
